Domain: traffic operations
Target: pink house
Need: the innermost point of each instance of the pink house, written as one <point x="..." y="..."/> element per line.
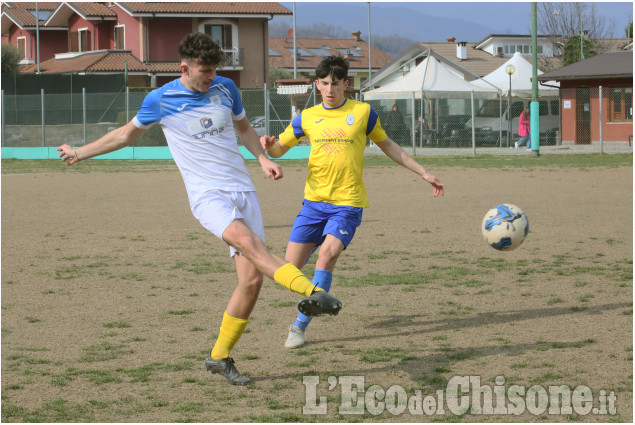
<point x="103" y="36"/>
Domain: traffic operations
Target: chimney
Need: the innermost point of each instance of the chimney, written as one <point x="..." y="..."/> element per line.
<point x="451" y="39"/>
<point x="357" y="36"/>
<point x="461" y="50"/>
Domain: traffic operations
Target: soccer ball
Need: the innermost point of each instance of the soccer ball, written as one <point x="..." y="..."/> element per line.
<point x="505" y="227"/>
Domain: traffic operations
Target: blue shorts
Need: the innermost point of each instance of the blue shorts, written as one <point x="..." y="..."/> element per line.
<point x="318" y="219"/>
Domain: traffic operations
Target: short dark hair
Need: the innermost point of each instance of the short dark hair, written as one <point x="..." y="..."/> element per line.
<point x="199" y="46"/>
<point x="335" y="66"/>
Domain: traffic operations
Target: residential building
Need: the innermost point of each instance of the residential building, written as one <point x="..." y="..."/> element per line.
<point x="474" y="60"/>
<point x="140" y="37"/>
<point x="311" y="51"/>
<point x="463" y="57"/>
<point x="586" y="116"/>
<point x="505" y="45"/>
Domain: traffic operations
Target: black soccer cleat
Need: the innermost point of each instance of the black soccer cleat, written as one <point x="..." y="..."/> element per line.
<point x="227" y="369"/>
<point x="319" y="303"/>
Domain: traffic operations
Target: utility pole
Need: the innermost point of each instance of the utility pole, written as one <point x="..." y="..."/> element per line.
<point x="534" y="107"/>
<point x="37" y="35"/>
<point x="581" y="34"/>
<point x="295" y="50"/>
<point x="370" y="70"/>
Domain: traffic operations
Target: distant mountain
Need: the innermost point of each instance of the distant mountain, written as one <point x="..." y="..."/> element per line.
<point x="392" y="45"/>
<point x="398" y="21"/>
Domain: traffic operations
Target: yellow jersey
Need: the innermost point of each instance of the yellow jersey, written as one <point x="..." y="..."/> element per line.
<point x="338" y="138"/>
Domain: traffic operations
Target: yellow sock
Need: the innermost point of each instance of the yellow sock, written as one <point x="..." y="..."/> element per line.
<point x="231" y="329"/>
<point x="292" y="278"/>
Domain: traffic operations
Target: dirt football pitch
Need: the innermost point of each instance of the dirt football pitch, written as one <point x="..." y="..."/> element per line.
<point x="112" y="296"/>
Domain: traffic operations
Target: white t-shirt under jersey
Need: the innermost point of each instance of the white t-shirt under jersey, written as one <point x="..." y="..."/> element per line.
<point x="199" y="129"/>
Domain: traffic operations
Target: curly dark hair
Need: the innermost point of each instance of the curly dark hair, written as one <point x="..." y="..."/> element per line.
<point x="199" y="46"/>
<point x="335" y="66"/>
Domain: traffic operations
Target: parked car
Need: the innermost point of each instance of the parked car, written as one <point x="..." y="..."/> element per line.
<point x="258" y="123"/>
<point x="488" y="121"/>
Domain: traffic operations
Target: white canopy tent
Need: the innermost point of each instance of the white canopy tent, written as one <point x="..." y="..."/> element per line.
<point x="430" y="79"/>
<point x="521" y="79"/>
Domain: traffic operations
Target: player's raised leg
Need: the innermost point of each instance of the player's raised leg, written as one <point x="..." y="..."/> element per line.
<point x="286" y="274"/>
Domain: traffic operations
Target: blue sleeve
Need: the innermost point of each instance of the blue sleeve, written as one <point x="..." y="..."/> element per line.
<point x="297" y="127"/>
<point x="372" y="120"/>
<point x="150" y="111"/>
<point x="237" y="103"/>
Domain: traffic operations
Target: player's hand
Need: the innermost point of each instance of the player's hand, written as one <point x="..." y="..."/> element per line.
<point x="272" y="169"/>
<point x="267" y="142"/>
<point x="437" y="186"/>
<point x="68" y="154"/>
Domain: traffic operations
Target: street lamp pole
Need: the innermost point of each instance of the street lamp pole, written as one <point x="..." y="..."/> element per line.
<point x="509" y="69"/>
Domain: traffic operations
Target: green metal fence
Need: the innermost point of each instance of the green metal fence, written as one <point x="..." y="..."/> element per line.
<point x="50" y="119"/>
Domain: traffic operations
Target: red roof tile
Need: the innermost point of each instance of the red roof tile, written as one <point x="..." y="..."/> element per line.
<point x="92" y="9"/>
<point x="99" y="61"/>
<point x="207" y="7"/>
<point x="284" y="47"/>
<point x="170" y="67"/>
<point x="20" y="11"/>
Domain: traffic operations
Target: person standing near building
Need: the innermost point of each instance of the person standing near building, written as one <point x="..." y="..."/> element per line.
<point x="334" y="195"/>
<point x="198" y="113"/>
<point x="395" y="125"/>
<point x="523" y="129"/>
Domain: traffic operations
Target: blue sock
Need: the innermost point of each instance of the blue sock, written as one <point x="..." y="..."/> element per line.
<point x="322" y="279"/>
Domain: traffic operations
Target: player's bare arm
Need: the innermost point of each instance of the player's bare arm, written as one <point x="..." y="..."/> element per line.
<point x="110" y="142"/>
<point x="397" y="154"/>
<point x="249" y="138"/>
<point x="273" y="147"/>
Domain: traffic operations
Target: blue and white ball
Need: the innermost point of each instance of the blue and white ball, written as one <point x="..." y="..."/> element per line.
<point x="505" y="227"/>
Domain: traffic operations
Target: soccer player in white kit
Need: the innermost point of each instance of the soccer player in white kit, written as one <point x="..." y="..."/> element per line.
<point x="198" y="113"/>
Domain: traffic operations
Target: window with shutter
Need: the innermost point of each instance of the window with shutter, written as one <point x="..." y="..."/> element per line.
<point x="22" y="47"/>
<point x="119" y="38"/>
<point x="621" y="105"/>
<point x="74" y="39"/>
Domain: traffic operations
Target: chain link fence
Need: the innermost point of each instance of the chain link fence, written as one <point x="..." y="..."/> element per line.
<point x="463" y="122"/>
<point x="79" y="118"/>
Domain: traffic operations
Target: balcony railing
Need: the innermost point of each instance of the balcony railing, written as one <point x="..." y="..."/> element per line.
<point x="234" y="57"/>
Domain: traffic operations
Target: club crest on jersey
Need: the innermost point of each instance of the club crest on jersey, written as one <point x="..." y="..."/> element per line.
<point x="215" y="100"/>
<point x="350" y="119"/>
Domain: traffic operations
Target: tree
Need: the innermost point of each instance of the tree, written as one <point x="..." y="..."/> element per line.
<point x="277" y="73"/>
<point x="628" y="31"/>
<point x="560" y="21"/>
<point x="10" y="58"/>
<point x="571" y="51"/>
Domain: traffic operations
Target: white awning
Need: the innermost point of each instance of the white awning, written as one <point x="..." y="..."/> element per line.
<point x="296" y="89"/>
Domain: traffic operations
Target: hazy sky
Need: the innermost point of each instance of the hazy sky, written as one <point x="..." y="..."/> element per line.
<point x="505" y="16"/>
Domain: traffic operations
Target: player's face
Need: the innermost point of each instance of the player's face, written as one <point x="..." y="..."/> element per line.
<point x="197" y="76"/>
<point x="332" y="91"/>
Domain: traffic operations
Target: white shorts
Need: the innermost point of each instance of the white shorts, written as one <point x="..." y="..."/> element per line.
<point x="217" y="209"/>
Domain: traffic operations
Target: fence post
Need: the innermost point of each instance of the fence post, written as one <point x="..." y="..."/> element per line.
<point x="500" y="115"/>
<point x="412" y="133"/>
<point x="4" y="107"/>
<point x="43" y="121"/>
<point x="84" y="113"/>
<point x="473" y="125"/>
<point x="127" y="104"/>
<point x="601" y="121"/>
<point x="266" y="96"/>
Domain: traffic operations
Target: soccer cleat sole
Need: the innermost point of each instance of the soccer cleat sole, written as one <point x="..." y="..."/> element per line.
<point x="313" y="308"/>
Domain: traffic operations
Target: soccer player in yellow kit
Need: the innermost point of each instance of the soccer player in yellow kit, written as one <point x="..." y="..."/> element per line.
<point x="334" y="195"/>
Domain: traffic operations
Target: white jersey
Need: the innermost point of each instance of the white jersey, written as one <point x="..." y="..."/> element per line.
<point x="200" y="133"/>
